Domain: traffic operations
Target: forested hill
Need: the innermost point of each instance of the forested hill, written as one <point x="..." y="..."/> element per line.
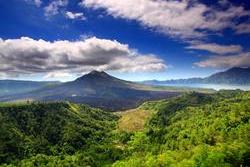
<point x="194" y="130"/>
<point x="48" y="133"/>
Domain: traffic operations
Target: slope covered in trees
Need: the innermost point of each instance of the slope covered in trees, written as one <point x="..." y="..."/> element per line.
<point x="196" y="130"/>
<point x="51" y="133"/>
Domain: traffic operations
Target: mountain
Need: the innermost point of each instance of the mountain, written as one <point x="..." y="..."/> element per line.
<point x="8" y="87"/>
<point x="236" y="75"/>
<point x="97" y="89"/>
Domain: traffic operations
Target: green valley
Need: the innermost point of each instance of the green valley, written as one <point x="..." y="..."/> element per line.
<point x="124" y="83"/>
<point x="193" y="129"/>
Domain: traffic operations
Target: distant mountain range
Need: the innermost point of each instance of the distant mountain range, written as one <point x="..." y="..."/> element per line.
<point x="97" y="89"/>
<point x="9" y="87"/>
<point x="233" y="76"/>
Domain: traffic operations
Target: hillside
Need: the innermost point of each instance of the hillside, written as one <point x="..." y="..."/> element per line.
<point x="133" y="120"/>
<point x="51" y="132"/>
<point x="236" y="75"/>
<point x="195" y="129"/>
<point x="97" y="89"/>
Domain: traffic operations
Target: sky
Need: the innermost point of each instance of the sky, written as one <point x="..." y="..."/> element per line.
<point x="130" y="39"/>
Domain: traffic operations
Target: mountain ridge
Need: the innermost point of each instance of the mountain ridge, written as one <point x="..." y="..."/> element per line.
<point x="97" y="89"/>
<point x="235" y="75"/>
<point x="8" y="87"/>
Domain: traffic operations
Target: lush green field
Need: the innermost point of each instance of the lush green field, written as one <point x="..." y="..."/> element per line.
<point x="193" y="130"/>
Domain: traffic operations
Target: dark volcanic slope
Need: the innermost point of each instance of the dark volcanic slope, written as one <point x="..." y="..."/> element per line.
<point x="97" y="89"/>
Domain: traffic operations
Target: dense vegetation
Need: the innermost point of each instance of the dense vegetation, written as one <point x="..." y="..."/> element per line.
<point x="196" y="130"/>
<point x="54" y="134"/>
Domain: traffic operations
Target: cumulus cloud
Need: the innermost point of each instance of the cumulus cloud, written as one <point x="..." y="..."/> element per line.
<point x="241" y="60"/>
<point x="54" y="7"/>
<point x="184" y="18"/>
<point x="73" y="16"/>
<point x="30" y="56"/>
<point x="216" y="48"/>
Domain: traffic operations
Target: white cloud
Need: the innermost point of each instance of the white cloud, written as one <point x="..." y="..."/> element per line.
<point x="54" y="7"/>
<point x="38" y="3"/>
<point x="71" y="15"/>
<point x="29" y="56"/>
<point x="243" y="28"/>
<point x="58" y="75"/>
<point x="241" y="60"/>
<point x="216" y="48"/>
<point x="184" y="18"/>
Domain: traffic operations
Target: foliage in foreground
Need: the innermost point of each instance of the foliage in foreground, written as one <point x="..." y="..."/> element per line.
<point x="193" y="130"/>
<point x="54" y="133"/>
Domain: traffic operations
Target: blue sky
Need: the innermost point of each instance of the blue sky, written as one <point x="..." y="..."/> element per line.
<point x="133" y="40"/>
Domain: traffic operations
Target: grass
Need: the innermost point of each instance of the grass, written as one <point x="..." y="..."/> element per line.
<point x="133" y="120"/>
